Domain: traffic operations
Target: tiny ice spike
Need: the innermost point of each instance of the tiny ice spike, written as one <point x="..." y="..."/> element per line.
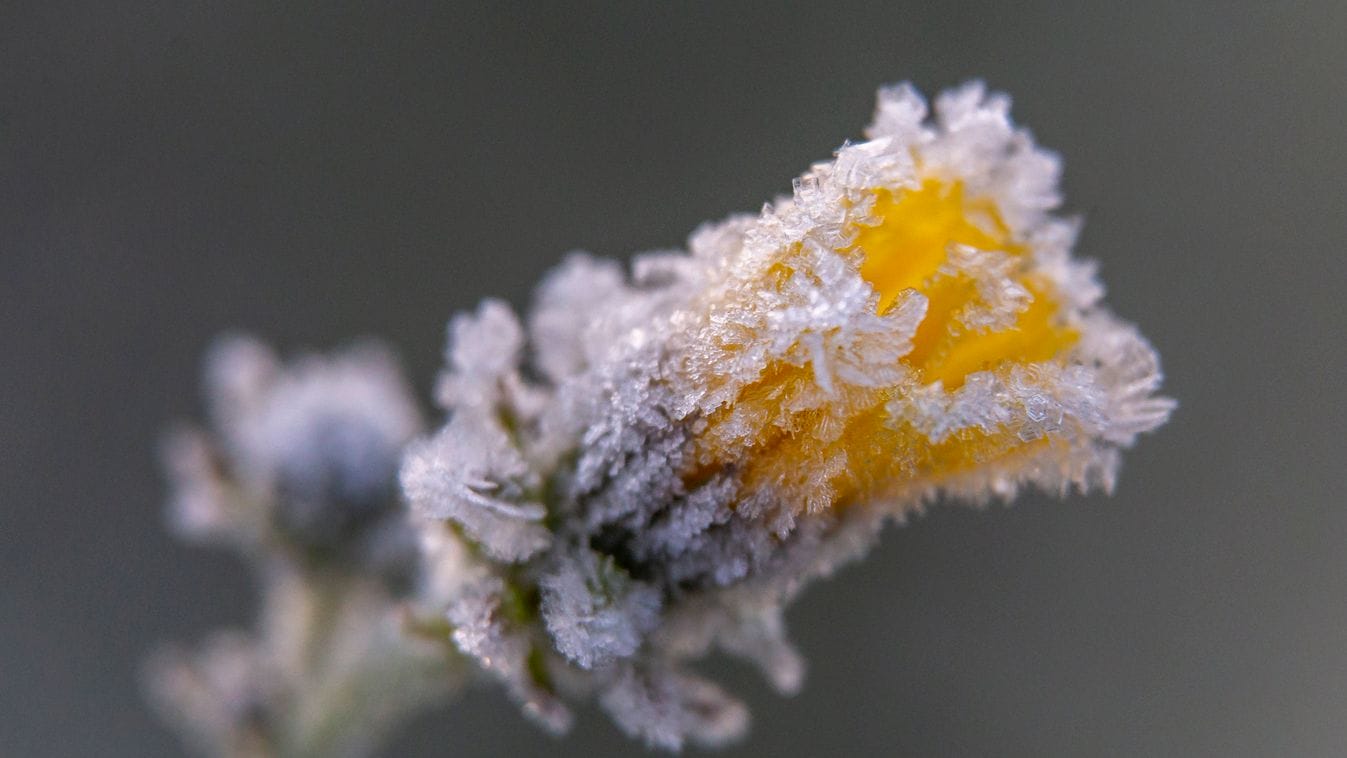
<point x="653" y="465"/>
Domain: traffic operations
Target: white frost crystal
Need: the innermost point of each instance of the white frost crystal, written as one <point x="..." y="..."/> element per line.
<point x="658" y="463"/>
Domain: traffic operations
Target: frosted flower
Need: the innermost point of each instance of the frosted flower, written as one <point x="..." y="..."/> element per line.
<point x="309" y="450"/>
<point x="652" y="465"/>
<point x="655" y="465"/>
<point x="299" y="473"/>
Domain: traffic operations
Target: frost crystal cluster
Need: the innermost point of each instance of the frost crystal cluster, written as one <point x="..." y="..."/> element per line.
<point x="653" y="463"/>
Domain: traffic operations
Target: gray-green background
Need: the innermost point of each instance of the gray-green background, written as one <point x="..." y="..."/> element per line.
<point x="169" y="170"/>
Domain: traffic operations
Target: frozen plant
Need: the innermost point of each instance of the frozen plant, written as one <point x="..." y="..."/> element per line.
<point x="653" y="464"/>
<point x="299" y="474"/>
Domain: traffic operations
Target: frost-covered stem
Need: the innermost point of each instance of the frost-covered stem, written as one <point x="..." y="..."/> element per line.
<point x="376" y="692"/>
<point x="347" y="692"/>
<point x="318" y="600"/>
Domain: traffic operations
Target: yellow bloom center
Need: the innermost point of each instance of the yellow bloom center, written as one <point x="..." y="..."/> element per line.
<point x="906" y="250"/>
<point x="916" y="226"/>
<point x="821" y="457"/>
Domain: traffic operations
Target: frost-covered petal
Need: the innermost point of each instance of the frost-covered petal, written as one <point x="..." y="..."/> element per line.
<point x="471" y="475"/>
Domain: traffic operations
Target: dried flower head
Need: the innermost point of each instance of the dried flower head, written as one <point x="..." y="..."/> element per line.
<point x="309" y="451"/>
<point x="299" y="473"/>
<point x="656" y="464"/>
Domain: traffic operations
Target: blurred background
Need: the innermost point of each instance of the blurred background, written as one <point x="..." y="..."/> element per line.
<point x="171" y="170"/>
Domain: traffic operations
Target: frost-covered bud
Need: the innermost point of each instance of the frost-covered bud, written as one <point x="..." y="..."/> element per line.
<point x="657" y="464"/>
<point x="309" y="450"/>
<point x="299" y="473"/>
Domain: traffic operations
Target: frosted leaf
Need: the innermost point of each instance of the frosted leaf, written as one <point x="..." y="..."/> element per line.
<point x="666" y="708"/>
<point x="482" y="630"/>
<point x="202" y="507"/>
<point x="594" y="611"/>
<point x="567" y="313"/>
<point x="239" y="369"/>
<point x="743" y="620"/>
<point x="761" y="638"/>
<point x="483" y="351"/>
<point x="470" y="473"/>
